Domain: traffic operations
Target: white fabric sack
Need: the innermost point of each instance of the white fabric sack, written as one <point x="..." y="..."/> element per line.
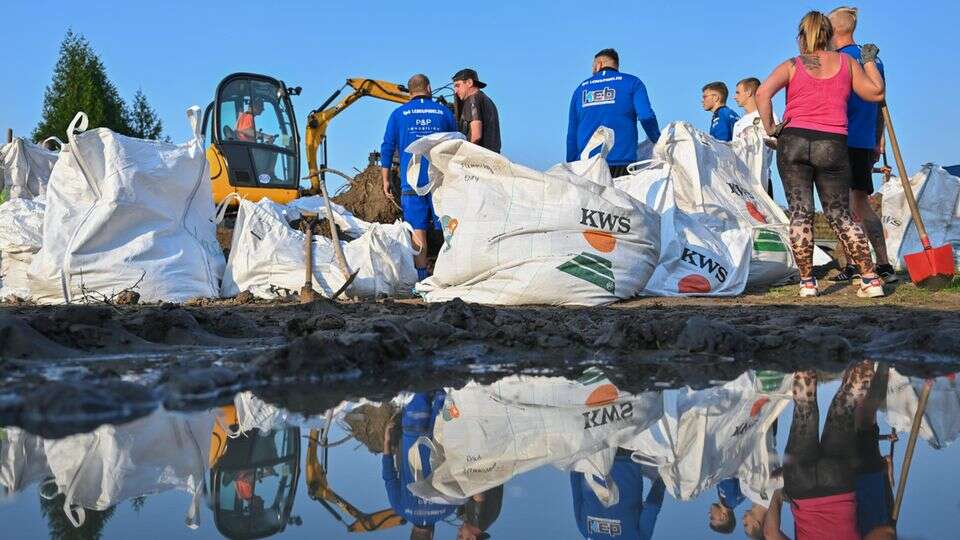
<point x="720" y="186"/>
<point x="26" y="168"/>
<point x="156" y="453"/>
<point x="124" y="212"/>
<point x="487" y="435"/>
<point x="941" y="420"/>
<point x="21" y="233"/>
<point x="711" y="435"/>
<point x="267" y="257"/>
<point x="22" y="461"/>
<point x="938" y="196"/>
<point x="516" y="236"/>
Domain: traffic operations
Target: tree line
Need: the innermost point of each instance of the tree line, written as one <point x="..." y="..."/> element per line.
<point x="80" y="83"/>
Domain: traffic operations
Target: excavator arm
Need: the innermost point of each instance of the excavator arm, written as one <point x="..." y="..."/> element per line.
<point x="319" y="119"/>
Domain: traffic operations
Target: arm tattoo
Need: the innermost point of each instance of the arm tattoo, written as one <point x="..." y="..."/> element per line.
<point x="810" y="61"/>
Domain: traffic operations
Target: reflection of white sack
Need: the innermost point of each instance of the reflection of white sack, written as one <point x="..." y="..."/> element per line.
<point x="22" y="460"/>
<point x="941" y="420"/>
<point x="484" y="436"/>
<point x="718" y="431"/>
<point x="938" y="196"/>
<point x="124" y="212"/>
<point x="254" y="413"/>
<point x="267" y="256"/>
<point x="26" y="168"/>
<point x="162" y="451"/>
<point x="514" y="235"/>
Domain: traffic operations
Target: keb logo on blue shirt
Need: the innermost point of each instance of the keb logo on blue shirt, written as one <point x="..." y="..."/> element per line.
<point x="602" y="96"/>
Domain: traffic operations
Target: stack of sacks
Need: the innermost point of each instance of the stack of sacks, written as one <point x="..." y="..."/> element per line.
<point x="268" y="259"/>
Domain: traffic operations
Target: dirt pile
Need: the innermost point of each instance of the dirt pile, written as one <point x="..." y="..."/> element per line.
<point x="368" y="423"/>
<point x="364" y="196"/>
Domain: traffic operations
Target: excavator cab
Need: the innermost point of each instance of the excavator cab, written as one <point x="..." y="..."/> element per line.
<point x="254" y="144"/>
<point x="253" y="478"/>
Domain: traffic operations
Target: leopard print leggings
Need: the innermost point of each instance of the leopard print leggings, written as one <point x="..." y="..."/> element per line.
<point x="806" y="158"/>
<point x="818" y="466"/>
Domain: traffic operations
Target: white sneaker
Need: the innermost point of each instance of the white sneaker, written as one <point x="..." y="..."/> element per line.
<point x="809" y="289"/>
<point x="871" y="288"/>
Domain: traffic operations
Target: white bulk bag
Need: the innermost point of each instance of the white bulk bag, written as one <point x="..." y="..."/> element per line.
<point x="26" y="168"/>
<point x="941" y="420"/>
<point x="124" y="212"/>
<point x="160" y="452"/>
<point x="486" y="435"/>
<point x="21" y="233"/>
<point x="514" y="235"/>
<point x="720" y="185"/>
<point x="712" y="434"/>
<point x="267" y="256"/>
<point x="22" y="461"/>
<point x="938" y="196"/>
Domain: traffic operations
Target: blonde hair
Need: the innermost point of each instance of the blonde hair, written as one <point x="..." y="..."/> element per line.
<point x="847" y="15"/>
<point x="814" y="33"/>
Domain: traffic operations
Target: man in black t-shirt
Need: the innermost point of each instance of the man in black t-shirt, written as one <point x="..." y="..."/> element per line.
<point x="478" y="118"/>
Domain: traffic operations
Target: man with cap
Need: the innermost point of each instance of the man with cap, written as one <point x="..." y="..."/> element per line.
<point x="414" y="119"/>
<point x="615" y="100"/>
<point x="478" y="119"/>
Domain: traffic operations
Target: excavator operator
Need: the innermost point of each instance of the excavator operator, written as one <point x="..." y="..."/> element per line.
<point x="246" y="126"/>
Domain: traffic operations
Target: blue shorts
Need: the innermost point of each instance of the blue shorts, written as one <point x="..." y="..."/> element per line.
<point x="418" y="212"/>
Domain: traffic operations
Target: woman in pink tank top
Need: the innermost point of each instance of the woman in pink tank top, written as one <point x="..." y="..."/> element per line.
<point x="812" y="144"/>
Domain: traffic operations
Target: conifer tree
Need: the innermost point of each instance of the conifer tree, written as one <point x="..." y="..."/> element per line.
<point x="144" y="122"/>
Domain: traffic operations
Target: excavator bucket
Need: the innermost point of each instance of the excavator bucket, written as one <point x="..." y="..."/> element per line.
<point x="378" y="521"/>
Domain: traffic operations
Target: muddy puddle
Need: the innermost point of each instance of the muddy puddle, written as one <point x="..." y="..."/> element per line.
<point x="590" y="452"/>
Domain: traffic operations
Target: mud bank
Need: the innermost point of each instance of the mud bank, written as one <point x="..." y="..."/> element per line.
<point x="191" y="356"/>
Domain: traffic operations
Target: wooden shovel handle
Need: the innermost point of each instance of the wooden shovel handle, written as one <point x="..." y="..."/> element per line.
<point x="911" y="444"/>
<point x="904" y="179"/>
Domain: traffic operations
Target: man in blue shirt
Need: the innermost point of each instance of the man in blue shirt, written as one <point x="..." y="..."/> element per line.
<point x="715" y="100"/>
<point x="865" y="144"/>
<point x="729" y="496"/>
<point x="417" y="419"/>
<point x="615" y="100"/>
<point x="632" y="518"/>
<point x="418" y="117"/>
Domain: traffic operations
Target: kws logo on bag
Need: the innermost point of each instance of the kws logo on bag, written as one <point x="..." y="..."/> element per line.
<point x="703" y="262"/>
<point x="751" y="202"/>
<point x="603" y="220"/>
<point x="617" y="412"/>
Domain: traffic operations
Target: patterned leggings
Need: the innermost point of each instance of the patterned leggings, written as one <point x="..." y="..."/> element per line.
<point x="806" y="158"/>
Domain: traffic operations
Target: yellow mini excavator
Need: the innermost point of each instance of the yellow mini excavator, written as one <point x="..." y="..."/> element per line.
<point x="253" y="141"/>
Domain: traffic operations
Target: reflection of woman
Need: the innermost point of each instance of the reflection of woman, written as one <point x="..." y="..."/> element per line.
<point x="812" y="149"/>
<point x="479" y="513"/>
<point x="632" y="518"/>
<point x="820" y="472"/>
<point x="417" y="420"/>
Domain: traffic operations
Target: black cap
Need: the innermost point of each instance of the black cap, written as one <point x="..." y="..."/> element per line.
<point x="469" y="74"/>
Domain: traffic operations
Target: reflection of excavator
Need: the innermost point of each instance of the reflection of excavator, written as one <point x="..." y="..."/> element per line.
<point x="254" y="145"/>
<point x="319" y="490"/>
<point x="253" y="478"/>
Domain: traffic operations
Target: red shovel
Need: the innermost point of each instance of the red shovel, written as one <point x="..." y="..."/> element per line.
<point x="934" y="266"/>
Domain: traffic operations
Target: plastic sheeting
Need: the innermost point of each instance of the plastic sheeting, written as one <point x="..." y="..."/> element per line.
<point x="128" y="213"/>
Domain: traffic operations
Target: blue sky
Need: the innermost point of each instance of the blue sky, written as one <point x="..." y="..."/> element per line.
<point x="531" y="53"/>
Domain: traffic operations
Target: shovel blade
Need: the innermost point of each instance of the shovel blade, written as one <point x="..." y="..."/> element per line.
<point x="933" y="267"/>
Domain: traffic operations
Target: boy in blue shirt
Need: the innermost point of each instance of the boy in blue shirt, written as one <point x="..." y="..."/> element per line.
<point x="632" y="518"/>
<point x="418" y="117"/>
<point x="615" y="100"/>
<point x="715" y="101"/>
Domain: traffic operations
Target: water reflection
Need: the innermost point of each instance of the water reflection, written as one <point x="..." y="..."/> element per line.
<point x="751" y="454"/>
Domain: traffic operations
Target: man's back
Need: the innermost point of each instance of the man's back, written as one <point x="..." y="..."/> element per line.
<point x="861" y="115"/>
<point x="612" y="99"/>
<point x="417" y="118"/>
<point x="480" y="107"/>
